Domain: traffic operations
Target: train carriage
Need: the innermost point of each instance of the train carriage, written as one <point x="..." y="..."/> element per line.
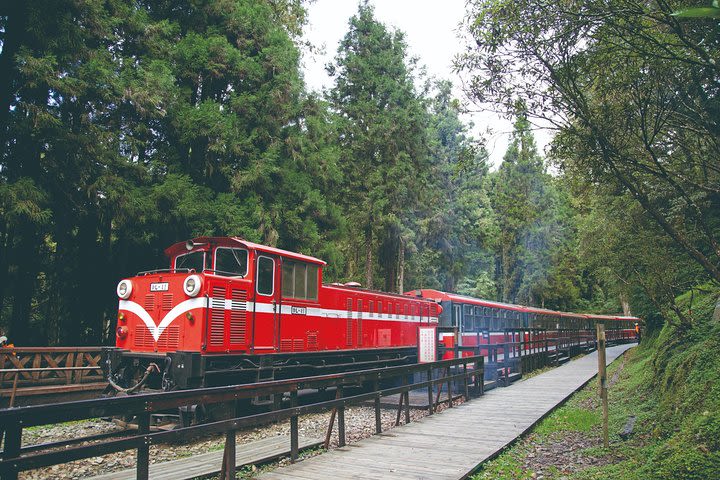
<point x="481" y="323"/>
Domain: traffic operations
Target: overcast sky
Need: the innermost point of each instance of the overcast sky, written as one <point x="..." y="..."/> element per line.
<point x="430" y="28"/>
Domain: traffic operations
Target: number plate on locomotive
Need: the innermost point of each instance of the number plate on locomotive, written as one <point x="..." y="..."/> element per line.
<point x="159" y="287"/>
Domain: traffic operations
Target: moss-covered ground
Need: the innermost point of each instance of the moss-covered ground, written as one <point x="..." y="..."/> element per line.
<point x="671" y="384"/>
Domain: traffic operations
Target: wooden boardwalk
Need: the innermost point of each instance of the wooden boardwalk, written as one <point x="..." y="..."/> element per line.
<point x="259" y="451"/>
<point x="452" y="444"/>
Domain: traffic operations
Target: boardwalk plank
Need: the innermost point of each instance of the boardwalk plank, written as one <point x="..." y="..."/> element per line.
<point x="453" y="443"/>
<point x="209" y="463"/>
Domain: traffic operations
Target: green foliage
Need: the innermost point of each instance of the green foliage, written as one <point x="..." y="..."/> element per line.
<point x="133" y="125"/>
<point x="569" y="418"/>
<point x="610" y="83"/>
<point x="712" y="11"/>
<point x="534" y="245"/>
<point x="383" y="145"/>
<point x="670" y="384"/>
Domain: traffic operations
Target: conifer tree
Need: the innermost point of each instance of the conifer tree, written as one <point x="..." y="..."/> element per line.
<point x="383" y="145"/>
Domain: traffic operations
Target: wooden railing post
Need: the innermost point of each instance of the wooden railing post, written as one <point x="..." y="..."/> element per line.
<point x="143" y="450"/>
<point x="602" y="380"/>
<point x="378" y="418"/>
<point x="293" y="428"/>
<point x="11" y="449"/>
<point x="465" y="381"/>
<point x="341" y="419"/>
<point x="449" y="387"/>
<point x="229" y="461"/>
<point x="431" y="406"/>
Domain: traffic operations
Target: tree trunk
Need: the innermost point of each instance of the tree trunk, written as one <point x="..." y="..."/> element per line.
<point x="15" y="27"/>
<point x="625" y="305"/>
<point x="25" y="258"/>
<point x="401" y="267"/>
<point x="368" y="258"/>
<point x="506" y="274"/>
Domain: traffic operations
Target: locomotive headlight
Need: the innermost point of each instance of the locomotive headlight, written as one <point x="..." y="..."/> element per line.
<point x="192" y="285"/>
<point x="124" y="289"/>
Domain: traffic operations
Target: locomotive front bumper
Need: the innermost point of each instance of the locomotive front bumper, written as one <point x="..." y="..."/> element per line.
<point x="176" y="370"/>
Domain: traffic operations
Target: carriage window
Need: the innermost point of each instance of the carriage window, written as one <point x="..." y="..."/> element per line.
<point x="231" y="262"/>
<point x="300" y="280"/>
<point x="265" y="276"/>
<point x="192" y="261"/>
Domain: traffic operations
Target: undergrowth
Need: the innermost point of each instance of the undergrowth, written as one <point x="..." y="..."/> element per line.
<point x="671" y="384"/>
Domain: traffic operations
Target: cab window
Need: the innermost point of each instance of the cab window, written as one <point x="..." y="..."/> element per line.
<point x="300" y="280"/>
<point x="265" y="276"/>
<point x="231" y="262"/>
<point x="191" y="261"/>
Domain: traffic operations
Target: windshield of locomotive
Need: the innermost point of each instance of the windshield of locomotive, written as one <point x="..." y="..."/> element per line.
<point x="192" y="261"/>
<point x="231" y="262"/>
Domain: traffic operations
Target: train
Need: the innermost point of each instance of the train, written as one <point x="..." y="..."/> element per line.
<point x="477" y="324"/>
<point x="229" y="311"/>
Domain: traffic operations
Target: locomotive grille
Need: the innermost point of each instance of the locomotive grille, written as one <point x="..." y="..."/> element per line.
<point x="217" y="316"/>
<point x="292" y="344"/>
<point x="170" y="338"/>
<point x="349" y="330"/>
<point x="359" y="323"/>
<point x="238" y="317"/>
<point x="167" y="301"/>
<point x="150" y="302"/>
<point x="312" y="340"/>
<point x="143" y="338"/>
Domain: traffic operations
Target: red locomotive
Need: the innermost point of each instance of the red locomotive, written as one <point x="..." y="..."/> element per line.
<point x="231" y="311"/>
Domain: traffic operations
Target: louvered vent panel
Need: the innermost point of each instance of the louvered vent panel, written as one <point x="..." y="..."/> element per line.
<point x="150" y="302"/>
<point x="217" y="316"/>
<point x="298" y="344"/>
<point x="286" y="345"/>
<point x="349" y="330"/>
<point x="170" y="338"/>
<point x="359" y="330"/>
<point x="312" y="340"/>
<point x="167" y="302"/>
<point x="238" y="317"/>
<point x="143" y="337"/>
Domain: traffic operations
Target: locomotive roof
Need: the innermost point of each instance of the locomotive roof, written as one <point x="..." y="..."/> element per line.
<point x="237" y="241"/>
<point x="401" y="296"/>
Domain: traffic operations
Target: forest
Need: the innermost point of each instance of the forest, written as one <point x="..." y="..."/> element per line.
<point x="126" y="126"/>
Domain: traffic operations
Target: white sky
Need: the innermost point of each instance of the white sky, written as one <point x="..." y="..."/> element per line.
<point x="430" y="28"/>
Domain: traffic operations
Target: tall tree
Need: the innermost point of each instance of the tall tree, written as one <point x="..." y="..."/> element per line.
<point x="383" y="144"/>
<point x="526" y="207"/>
<point x="457" y="221"/>
<point x="634" y="92"/>
<point x="129" y="125"/>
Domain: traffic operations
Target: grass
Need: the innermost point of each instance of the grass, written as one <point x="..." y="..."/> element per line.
<point x="671" y="384"/>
